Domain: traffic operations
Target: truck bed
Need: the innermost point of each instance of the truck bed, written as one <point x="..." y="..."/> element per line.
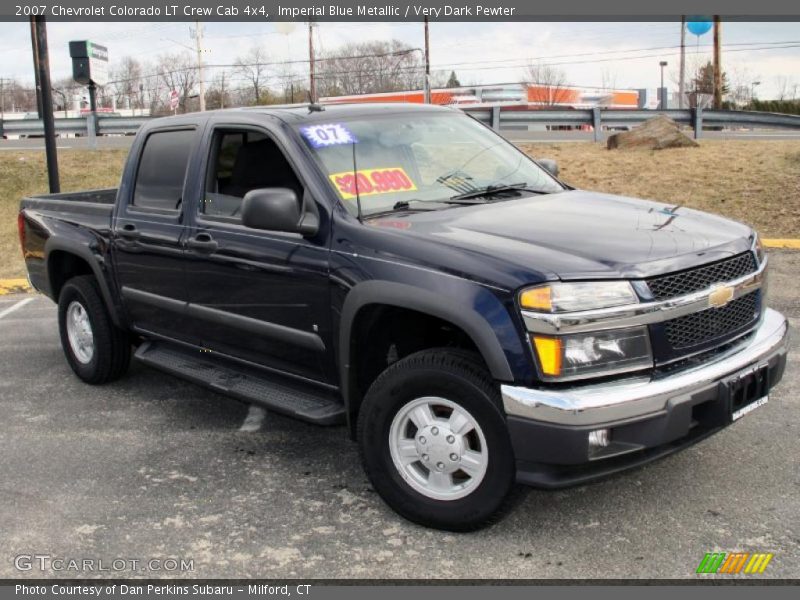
<point x="78" y="219"/>
<point x="89" y="202"/>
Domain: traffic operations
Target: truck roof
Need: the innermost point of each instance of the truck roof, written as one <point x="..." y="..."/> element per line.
<point x="301" y="113"/>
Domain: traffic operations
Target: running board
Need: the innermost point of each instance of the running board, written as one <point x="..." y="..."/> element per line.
<point x="285" y="397"/>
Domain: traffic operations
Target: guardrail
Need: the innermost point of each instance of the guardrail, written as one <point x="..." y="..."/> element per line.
<point x="598" y="118"/>
<point x="495" y="117"/>
<point x="81" y="126"/>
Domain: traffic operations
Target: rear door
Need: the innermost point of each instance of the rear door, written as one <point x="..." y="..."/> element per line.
<point x="258" y="295"/>
<point x="148" y="233"/>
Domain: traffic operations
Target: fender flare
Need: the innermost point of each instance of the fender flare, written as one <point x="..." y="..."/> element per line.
<point x="83" y="250"/>
<point x="407" y="296"/>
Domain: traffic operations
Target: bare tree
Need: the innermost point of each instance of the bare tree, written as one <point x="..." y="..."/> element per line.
<point x="126" y="78"/>
<point x="786" y="88"/>
<point x="370" y="67"/>
<point x="17" y="97"/>
<point x="218" y="94"/>
<point x="548" y="84"/>
<point x="608" y="79"/>
<point x="251" y="68"/>
<point x="178" y="72"/>
<point x="65" y="92"/>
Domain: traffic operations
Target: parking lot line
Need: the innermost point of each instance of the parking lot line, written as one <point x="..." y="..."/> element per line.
<point x="14" y="307"/>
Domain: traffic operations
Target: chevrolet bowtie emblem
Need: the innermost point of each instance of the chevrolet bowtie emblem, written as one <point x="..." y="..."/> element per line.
<point x="720" y="297"/>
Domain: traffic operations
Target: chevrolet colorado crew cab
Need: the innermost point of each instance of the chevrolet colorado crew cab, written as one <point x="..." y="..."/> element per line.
<point x="407" y="271"/>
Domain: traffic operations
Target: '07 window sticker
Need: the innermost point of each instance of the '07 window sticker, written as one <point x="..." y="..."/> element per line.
<point x="328" y="134"/>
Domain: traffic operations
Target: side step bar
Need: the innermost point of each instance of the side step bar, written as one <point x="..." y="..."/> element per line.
<point x="306" y="404"/>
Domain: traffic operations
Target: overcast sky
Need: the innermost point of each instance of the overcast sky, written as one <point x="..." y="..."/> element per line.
<point x="623" y="54"/>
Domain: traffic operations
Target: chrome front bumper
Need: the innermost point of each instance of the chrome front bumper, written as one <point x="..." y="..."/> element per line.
<point x="644" y="396"/>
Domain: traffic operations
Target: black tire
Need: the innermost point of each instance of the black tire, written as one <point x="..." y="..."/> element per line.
<point x="112" y="346"/>
<point x="459" y="377"/>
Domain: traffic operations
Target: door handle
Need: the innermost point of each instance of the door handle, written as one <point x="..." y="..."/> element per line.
<point x="203" y="242"/>
<point x="129" y="231"/>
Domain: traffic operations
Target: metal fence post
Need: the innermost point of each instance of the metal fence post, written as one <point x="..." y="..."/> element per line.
<point x="697" y="117"/>
<point x="596" y="123"/>
<point x="496" y="118"/>
<point x="91" y="130"/>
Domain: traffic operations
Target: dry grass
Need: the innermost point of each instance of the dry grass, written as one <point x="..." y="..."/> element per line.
<point x="25" y="173"/>
<point x="752" y="181"/>
<point x="757" y="182"/>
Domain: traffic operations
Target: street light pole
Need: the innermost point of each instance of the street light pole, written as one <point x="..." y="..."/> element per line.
<point x="682" y="75"/>
<point x="427" y="83"/>
<point x="312" y="84"/>
<point x="41" y="60"/>
<point x="662" y="94"/>
<point x="753" y="92"/>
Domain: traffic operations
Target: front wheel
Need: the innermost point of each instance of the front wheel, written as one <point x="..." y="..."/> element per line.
<point x="434" y="441"/>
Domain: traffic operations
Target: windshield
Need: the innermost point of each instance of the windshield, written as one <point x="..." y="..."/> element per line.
<point x="427" y="159"/>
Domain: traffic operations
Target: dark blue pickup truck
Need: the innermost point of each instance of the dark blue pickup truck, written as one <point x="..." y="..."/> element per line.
<point x="404" y="270"/>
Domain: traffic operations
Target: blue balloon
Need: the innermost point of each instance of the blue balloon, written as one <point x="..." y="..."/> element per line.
<point x="698" y="28"/>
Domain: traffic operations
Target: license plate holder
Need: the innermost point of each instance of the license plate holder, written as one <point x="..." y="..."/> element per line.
<point x="746" y="391"/>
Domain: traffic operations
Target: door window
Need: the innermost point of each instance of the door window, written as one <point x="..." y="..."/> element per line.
<point x="162" y="170"/>
<point x="242" y="161"/>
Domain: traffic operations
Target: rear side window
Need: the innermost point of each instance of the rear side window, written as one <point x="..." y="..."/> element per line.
<point x="162" y="169"/>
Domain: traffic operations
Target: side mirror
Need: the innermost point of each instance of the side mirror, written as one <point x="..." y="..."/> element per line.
<point x="549" y="165"/>
<point x="277" y="209"/>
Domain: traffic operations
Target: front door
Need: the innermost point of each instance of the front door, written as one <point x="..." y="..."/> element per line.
<point x="257" y="295"/>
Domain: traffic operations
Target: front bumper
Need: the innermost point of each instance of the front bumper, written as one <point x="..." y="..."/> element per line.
<point x="648" y="416"/>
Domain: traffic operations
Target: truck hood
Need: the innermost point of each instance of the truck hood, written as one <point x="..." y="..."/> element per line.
<point x="568" y="235"/>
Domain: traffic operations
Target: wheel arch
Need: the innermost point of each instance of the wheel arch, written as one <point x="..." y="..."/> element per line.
<point x="66" y="259"/>
<point x="403" y="296"/>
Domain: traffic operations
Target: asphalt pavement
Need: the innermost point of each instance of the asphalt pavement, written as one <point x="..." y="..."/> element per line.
<point x="151" y="467"/>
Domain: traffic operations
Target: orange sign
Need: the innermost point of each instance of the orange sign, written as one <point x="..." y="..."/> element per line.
<point x="369" y="182"/>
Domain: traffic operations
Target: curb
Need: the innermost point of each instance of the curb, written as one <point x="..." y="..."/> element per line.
<point x="13" y="286"/>
<point x="794" y="244"/>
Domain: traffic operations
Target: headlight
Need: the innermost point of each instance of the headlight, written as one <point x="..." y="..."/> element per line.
<point x="565" y="297"/>
<point x="758" y="248"/>
<point x="601" y="353"/>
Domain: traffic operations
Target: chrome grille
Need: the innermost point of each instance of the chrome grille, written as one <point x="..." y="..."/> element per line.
<point x="694" y="280"/>
<point x="712" y="323"/>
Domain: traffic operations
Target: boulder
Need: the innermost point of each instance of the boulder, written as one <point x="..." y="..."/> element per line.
<point x="655" y="134"/>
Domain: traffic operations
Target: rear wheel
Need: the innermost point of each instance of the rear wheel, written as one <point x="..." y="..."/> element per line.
<point x="96" y="349"/>
<point x="434" y="441"/>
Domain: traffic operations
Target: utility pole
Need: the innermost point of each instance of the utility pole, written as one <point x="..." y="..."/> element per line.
<point x="2" y="99"/>
<point x="35" y="46"/>
<point x="682" y="75"/>
<point x="222" y="91"/>
<point x="717" y="63"/>
<point x="312" y="76"/>
<point x="198" y="38"/>
<point x="427" y="65"/>
<point x="41" y="61"/>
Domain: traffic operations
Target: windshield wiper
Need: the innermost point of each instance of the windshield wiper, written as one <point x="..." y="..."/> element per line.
<point x="491" y="190"/>
<point x="401" y="205"/>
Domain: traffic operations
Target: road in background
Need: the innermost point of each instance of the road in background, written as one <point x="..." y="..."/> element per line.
<point x="154" y="467"/>
<point x="515" y="135"/>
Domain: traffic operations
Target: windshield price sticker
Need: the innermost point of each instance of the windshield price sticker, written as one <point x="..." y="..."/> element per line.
<point x="372" y="181"/>
<point x="328" y="134"/>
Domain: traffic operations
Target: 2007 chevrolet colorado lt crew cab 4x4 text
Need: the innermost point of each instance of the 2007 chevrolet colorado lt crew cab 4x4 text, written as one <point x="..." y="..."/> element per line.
<point x="407" y="271"/>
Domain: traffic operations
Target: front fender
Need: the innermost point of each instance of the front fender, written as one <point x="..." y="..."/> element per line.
<point x="475" y="309"/>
